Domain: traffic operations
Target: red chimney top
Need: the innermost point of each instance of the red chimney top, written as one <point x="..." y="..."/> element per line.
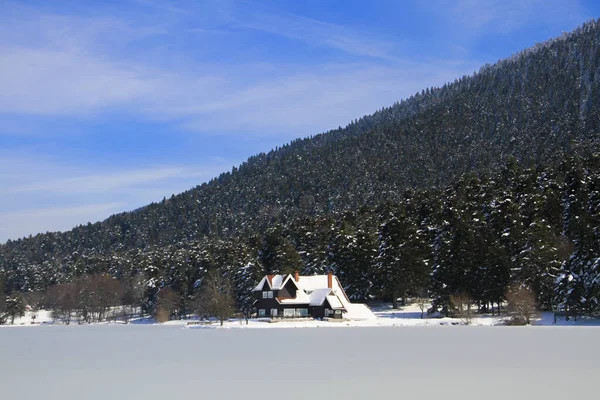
<point x="330" y="280"/>
<point x="296" y="276"/>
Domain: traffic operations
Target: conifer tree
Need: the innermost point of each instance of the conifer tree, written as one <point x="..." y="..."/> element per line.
<point x="402" y="263"/>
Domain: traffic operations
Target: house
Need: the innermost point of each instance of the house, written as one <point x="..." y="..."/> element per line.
<point x="318" y="296"/>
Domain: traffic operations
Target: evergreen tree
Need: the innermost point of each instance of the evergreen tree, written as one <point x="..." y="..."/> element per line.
<point x="402" y="264"/>
<point x="14" y="307"/>
<point x="352" y="258"/>
<point x="2" y="301"/>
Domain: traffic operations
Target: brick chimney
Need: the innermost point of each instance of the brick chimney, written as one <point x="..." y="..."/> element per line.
<point x="330" y="280"/>
<point x="296" y="276"/>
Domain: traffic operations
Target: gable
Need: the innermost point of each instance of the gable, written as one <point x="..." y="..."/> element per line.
<point x="265" y="286"/>
<point x="334" y="302"/>
<point x="290" y="285"/>
<point x="262" y="285"/>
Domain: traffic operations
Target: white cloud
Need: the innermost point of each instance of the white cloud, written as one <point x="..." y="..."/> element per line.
<point x="69" y="69"/>
<point x="109" y="181"/>
<point x="318" y="33"/>
<point x="306" y="103"/>
<point x="262" y="99"/>
<point x="47" y="82"/>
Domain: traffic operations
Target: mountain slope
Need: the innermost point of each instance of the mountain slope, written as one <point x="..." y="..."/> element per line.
<point x="536" y="106"/>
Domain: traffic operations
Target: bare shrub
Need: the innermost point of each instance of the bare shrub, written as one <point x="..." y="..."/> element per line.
<point x="215" y="297"/>
<point x="96" y="295"/>
<point x="133" y="295"/>
<point x="521" y="303"/>
<point x="460" y="305"/>
<point x="162" y="314"/>
<point x="167" y="302"/>
<point x="422" y="304"/>
<point x="62" y="301"/>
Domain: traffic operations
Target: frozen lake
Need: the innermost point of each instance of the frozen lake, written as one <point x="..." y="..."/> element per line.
<point x="168" y="362"/>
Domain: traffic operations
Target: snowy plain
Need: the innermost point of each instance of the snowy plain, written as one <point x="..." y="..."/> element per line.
<point x="115" y="361"/>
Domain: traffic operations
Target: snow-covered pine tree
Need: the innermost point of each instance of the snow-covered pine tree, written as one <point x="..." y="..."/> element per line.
<point x="404" y="254"/>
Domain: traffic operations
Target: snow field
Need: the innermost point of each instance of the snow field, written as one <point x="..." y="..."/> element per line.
<point x="116" y="361"/>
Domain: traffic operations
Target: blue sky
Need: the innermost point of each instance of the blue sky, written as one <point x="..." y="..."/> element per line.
<point x="106" y="106"/>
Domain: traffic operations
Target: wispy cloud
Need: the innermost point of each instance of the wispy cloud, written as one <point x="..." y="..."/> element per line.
<point x="319" y="33"/>
<point x="110" y="181"/>
<point x="81" y="80"/>
<point x="62" y="82"/>
<point x="322" y="97"/>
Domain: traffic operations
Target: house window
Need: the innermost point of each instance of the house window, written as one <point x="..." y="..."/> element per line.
<point x="301" y="312"/>
<point x="288" y="312"/>
<point x="327" y="312"/>
<point x="261" y="312"/>
<point x="273" y="312"/>
<point x="267" y="294"/>
<point x="270" y="294"/>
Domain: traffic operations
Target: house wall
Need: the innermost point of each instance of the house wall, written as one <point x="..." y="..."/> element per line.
<point x="267" y="304"/>
<point x="319" y="311"/>
<point x="313" y="311"/>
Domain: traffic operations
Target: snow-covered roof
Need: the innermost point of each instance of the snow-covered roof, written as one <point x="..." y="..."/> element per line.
<point x="334" y="302"/>
<point x="307" y="283"/>
<point x="358" y="311"/>
<point x="276" y="282"/>
<point x="301" y="298"/>
<point x="317" y="296"/>
<point x="313" y="282"/>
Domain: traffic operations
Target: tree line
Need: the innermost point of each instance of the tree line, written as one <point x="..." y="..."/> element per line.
<point x="100" y="298"/>
<point x="481" y="238"/>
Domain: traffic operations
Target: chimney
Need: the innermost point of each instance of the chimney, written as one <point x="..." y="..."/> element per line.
<point x="296" y="276"/>
<point x="330" y="280"/>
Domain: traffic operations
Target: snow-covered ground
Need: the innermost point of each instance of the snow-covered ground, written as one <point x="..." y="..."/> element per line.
<point x="116" y="361"/>
<point x="385" y="316"/>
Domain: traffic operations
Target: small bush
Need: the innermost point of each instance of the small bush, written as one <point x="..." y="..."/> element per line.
<point x="521" y="303"/>
<point x="162" y="315"/>
<point x="516" y="321"/>
<point x="461" y="307"/>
